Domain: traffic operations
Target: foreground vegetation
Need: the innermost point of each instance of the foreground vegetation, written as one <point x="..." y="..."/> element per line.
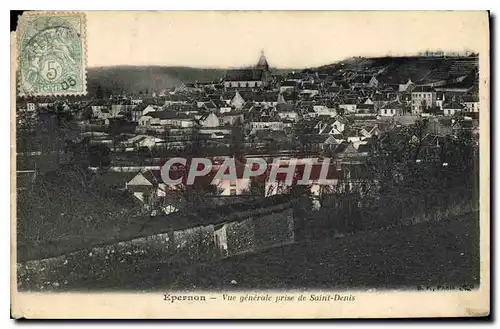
<point x="437" y="253"/>
<point x="426" y="254"/>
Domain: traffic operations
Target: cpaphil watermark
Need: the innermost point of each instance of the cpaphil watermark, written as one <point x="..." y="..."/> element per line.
<point x="292" y="171"/>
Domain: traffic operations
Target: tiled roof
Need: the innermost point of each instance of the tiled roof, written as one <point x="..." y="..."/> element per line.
<point x="470" y="98"/>
<point x="289" y="83"/>
<point x="165" y="115"/>
<point x="365" y="106"/>
<point x="285" y="107"/>
<point x="310" y="86"/>
<point x="362" y="79"/>
<point x="333" y="90"/>
<point x="244" y="75"/>
<point x="349" y="101"/>
<point x="422" y="89"/>
<point x="452" y="106"/>
<point x="153" y="176"/>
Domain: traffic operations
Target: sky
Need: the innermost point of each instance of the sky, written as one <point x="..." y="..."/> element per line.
<point x="290" y="39"/>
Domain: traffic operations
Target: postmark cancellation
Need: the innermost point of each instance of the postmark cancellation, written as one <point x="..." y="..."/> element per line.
<point x="52" y="54"/>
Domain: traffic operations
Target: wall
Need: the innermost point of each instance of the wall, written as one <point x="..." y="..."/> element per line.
<point x="273" y="229"/>
<point x="240" y="237"/>
<point x="179" y="248"/>
<point x="184" y="247"/>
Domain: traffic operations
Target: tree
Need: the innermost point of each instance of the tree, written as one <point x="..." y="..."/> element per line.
<point x="237" y="140"/>
<point x="84" y="154"/>
<point x="271" y="146"/>
<point x="195" y="146"/>
<point x="87" y="114"/>
<point x="416" y="172"/>
<point x="257" y="187"/>
<point x="418" y="132"/>
<point x="99" y="156"/>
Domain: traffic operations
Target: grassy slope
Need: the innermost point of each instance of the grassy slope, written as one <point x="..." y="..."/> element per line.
<point x="430" y="253"/>
<point x="68" y="210"/>
<point x="433" y="253"/>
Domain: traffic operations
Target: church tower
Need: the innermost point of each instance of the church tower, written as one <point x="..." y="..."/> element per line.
<point x="262" y="64"/>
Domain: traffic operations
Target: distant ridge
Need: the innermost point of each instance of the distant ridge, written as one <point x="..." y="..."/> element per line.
<point x="397" y="70"/>
<point x="144" y="79"/>
<point x="103" y="81"/>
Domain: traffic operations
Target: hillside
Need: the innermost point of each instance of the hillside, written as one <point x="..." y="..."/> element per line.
<point x="394" y="70"/>
<point x="68" y="209"/>
<point x="146" y="79"/>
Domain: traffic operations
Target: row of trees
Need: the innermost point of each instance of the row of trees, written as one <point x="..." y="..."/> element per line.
<point x="407" y="173"/>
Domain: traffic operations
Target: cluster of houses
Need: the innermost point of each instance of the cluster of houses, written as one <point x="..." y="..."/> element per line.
<point x="338" y="110"/>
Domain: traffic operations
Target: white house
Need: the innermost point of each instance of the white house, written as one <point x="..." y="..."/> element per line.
<point x="321" y="126"/>
<point x="149" y="141"/>
<point x="450" y="109"/>
<point x="237" y="101"/>
<point x="389" y="111"/>
<point x="368" y="101"/>
<point x="288" y="115"/>
<point x="228" y="187"/>
<point x="225" y="109"/>
<point x="210" y="121"/>
<point x="231" y="118"/>
<point x="471" y="103"/>
<point x="148" y="184"/>
<point x="422" y="97"/>
<point x="140" y="111"/>
<point x="274" y="125"/>
<point x="339" y="124"/>
<point x="405" y="86"/>
<point x="96" y="108"/>
<point x="104" y="114"/>
<point x="324" y="110"/>
<point x="440" y="99"/>
<point x="145" y="120"/>
<point x="167" y="118"/>
<point x="348" y="105"/>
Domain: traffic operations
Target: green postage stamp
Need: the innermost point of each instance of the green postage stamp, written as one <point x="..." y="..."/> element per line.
<point x="51" y="54"/>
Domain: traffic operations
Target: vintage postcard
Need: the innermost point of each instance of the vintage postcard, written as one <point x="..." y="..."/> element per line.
<point x="250" y="164"/>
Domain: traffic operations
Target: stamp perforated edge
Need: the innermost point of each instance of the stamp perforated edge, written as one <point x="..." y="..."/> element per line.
<point x="21" y="91"/>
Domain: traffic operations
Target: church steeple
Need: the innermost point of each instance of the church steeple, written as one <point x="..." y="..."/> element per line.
<point x="262" y="64"/>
